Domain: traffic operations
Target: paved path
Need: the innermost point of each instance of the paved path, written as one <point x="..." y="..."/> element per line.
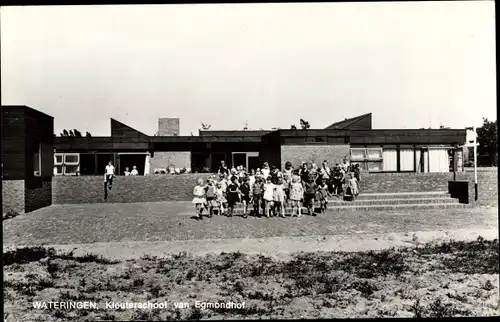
<point x="278" y="247"/>
<point x="154" y="222"/>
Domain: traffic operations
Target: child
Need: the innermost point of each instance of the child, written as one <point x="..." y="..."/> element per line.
<point x="134" y="171"/>
<point x="279" y="198"/>
<point x="219" y="197"/>
<point x="245" y="195"/>
<point x="127" y="172"/>
<point x="268" y="196"/>
<point x="233" y="195"/>
<point x="296" y="195"/>
<point x="265" y="170"/>
<point x="109" y="174"/>
<point x="199" y="198"/>
<point x="309" y="194"/>
<point x="322" y="194"/>
<point x="287" y="177"/>
<point x="211" y="197"/>
<point x="257" y="191"/>
<point x="251" y="178"/>
<point x="351" y="187"/>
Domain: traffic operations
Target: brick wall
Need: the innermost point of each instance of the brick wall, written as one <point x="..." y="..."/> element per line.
<point x="168" y="126"/>
<point x="13" y="195"/>
<point x="38" y="193"/>
<point x="414" y="182"/>
<point x="165" y="159"/>
<point x="90" y="189"/>
<point x="315" y="153"/>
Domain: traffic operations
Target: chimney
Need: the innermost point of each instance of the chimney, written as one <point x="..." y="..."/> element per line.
<point x="168" y="126"/>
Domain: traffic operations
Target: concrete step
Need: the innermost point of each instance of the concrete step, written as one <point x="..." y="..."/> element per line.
<point x="367" y="202"/>
<point x="404" y="195"/>
<point x="378" y="207"/>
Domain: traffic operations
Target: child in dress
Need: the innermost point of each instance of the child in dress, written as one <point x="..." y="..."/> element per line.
<point x="352" y="187"/>
<point x="322" y="195"/>
<point x="296" y="195"/>
<point x="199" y="198"/>
<point x="257" y="191"/>
<point x="251" y="178"/>
<point x="219" y="197"/>
<point x="279" y="198"/>
<point x="245" y="195"/>
<point x="309" y="195"/>
<point x="127" y="172"/>
<point x="233" y="195"/>
<point x="268" y="196"/>
<point x="265" y="170"/>
<point x="210" y="196"/>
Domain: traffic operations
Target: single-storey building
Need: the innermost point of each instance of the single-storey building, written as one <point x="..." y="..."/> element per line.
<point x="27" y="152"/>
<point x="376" y="150"/>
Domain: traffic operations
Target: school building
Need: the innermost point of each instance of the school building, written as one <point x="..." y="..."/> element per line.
<point x="376" y="150"/>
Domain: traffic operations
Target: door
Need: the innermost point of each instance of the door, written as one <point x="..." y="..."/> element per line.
<point x="253" y="163"/>
<point x="239" y="159"/>
<point x="216" y="158"/>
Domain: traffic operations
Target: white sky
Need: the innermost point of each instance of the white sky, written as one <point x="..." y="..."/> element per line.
<point x="409" y="63"/>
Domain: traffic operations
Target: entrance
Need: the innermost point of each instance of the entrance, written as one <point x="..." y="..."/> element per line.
<point x="250" y="160"/>
<point x="216" y="158"/>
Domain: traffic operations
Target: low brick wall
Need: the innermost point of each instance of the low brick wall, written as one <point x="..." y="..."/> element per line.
<point x="153" y="188"/>
<point x="13" y="195"/>
<point x="38" y="193"/>
<point x="89" y="189"/>
<point x="412" y="182"/>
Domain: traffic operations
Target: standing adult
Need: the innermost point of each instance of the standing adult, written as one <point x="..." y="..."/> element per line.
<point x="223" y="168"/>
<point x="109" y="174"/>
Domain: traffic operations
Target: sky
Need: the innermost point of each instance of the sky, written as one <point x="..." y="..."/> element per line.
<point x="411" y="64"/>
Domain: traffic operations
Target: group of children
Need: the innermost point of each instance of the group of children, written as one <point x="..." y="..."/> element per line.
<point x="270" y="190"/>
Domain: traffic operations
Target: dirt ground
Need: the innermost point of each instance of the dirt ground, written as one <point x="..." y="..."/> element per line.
<point x="425" y="280"/>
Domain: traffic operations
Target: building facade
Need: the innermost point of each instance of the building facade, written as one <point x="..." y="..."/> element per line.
<point x="375" y="150"/>
<point x="27" y="158"/>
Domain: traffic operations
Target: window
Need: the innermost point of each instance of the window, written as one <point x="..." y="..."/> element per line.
<point x="374" y="154"/>
<point x="71" y="158"/>
<point x="58" y="159"/>
<point x="37" y="160"/>
<point x="358" y="154"/>
<point x="66" y="164"/>
<point x="58" y="170"/>
<point x="368" y="158"/>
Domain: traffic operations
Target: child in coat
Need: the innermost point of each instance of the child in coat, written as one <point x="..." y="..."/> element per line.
<point x="257" y="192"/>
<point x="309" y="195"/>
<point x="245" y="195"/>
<point x="233" y="195"/>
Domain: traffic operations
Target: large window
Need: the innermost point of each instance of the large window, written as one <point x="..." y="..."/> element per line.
<point x="368" y="158"/>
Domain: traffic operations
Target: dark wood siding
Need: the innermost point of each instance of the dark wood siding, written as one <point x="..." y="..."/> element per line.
<point x="39" y="131"/>
<point x="122" y="131"/>
<point x="408" y="137"/>
<point x="13" y="139"/>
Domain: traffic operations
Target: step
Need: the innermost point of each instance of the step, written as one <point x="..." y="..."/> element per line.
<point x="365" y="202"/>
<point x="404" y="195"/>
<point x="353" y="207"/>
